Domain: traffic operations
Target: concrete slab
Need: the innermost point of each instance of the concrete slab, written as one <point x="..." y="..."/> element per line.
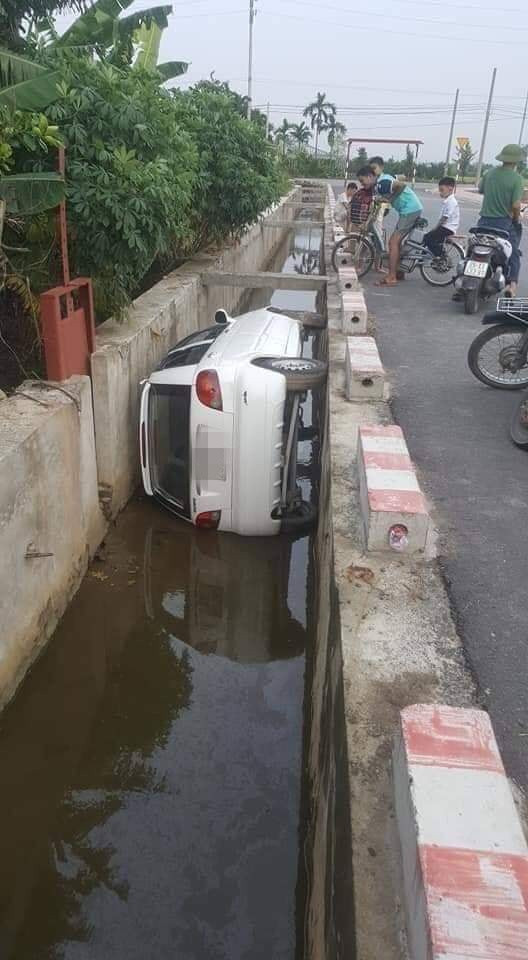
<point x="365" y="376"/>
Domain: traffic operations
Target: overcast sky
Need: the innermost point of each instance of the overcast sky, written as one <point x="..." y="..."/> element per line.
<point x="391" y="67"/>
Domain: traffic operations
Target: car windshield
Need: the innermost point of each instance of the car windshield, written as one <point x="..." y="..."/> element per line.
<point x="169" y="409"/>
<point x="190" y="350"/>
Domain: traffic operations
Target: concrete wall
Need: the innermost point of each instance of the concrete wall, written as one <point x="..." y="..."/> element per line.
<point x="127" y="352"/>
<point x="52" y="484"/>
<point x="50" y="518"/>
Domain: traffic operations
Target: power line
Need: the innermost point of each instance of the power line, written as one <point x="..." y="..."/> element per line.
<point x="383" y="16"/>
<point x="401" y="33"/>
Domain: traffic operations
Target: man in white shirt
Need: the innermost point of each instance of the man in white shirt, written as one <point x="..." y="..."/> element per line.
<point x="449" y="221"/>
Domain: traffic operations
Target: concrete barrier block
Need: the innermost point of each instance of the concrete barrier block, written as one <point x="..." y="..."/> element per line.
<point x="348" y="279"/>
<point x="389" y="491"/>
<point x="365" y="376"/>
<point x="354" y="312"/>
<point x="464" y="854"/>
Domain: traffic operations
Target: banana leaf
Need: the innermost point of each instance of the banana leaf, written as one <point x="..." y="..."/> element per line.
<point x="35" y="95"/>
<point x="95" y="25"/>
<point x="30" y="193"/>
<point x="172" y="68"/>
<point x="16" y="69"/>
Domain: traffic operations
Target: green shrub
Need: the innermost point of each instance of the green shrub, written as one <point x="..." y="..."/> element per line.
<point x="304" y="164"/>
<point x="131" y="170"/>
<point x="239" y="175"/>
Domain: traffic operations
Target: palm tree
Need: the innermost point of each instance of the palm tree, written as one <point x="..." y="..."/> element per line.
<point x="282" y="135"/>
<point x="300" y="132"/>
<point x="335" y="129"/>
<point x="319" y="112"/>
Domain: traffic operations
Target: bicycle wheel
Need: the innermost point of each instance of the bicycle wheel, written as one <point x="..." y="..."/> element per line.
<point x="355" y="250"/>
<point x="441" y="271"/>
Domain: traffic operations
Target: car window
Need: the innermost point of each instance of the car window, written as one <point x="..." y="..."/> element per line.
<point x="169" y="412"/>
<point x="191" y="349"/>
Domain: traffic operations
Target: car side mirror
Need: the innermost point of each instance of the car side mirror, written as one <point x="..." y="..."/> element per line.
<point x="221" y="317"/>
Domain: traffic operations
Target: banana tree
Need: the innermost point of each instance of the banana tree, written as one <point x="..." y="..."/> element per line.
<point x="27" y="86"/>
<point x="134" y="39"/>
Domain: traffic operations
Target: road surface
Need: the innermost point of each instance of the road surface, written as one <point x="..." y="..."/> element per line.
<point x="457" y="432"/>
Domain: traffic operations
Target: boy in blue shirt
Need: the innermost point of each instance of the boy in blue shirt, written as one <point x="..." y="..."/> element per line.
<point x="407" y="205"/>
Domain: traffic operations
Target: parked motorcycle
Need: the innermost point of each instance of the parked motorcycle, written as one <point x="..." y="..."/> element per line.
<point x="482" y="272"/>
<point x="498" y="356"/>
<point x="519" y="423"/>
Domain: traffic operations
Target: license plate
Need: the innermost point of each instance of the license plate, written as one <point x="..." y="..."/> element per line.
<point x="475" y="268"/>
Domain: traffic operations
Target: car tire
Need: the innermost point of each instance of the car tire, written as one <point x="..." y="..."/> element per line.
<point x="304" y="518"/>
<point x="300" y="373"/>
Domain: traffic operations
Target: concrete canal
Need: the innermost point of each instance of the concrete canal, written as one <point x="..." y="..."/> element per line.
<point x="153" y="798"/>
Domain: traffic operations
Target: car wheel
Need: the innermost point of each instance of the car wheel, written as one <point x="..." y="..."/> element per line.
<point x="300" y="373"/>
<point x="302" y="518"/>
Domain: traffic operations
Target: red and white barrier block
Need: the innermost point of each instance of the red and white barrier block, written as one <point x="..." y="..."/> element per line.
<point x="364" y="373"/>
<point x="354" y="312"/>
<point x="393" y="507"/>
<point x="464" y="854"/>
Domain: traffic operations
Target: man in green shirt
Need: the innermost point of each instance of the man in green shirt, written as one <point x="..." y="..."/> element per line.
<point x="502" y="188"/>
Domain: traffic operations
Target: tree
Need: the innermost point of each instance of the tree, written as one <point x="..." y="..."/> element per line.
<point x="464" y="157"/>
<point x="16" y="15"/>
<point x="300" y="133"/>
<point x="282" y="135"/>
<point x="360" y="161"/>
<point x="335" y="129"/>
<point x="409" y="163"/>
<point x="319" y="111"/>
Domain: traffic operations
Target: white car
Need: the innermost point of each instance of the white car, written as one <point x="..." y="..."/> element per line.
<point x="219" y="424"/>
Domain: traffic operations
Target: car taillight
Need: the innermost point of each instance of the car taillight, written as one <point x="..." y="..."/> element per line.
<point x="208" y="520"/>
<point x="208" y="389"/>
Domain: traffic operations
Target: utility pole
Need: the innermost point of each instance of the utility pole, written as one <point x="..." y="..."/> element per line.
<point x="523" y="121"/>
<point x="250" y="56"/>
<point x="267" y="120"/>
<point x="451" y="131"/>
<point x="485" y="130"/>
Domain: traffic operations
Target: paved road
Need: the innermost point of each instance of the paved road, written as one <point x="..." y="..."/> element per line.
<point x="457" y="431"/>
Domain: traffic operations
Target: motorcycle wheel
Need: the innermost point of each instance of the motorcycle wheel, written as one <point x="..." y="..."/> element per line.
<point x="519" y="424"/>
<point x="471" y="300"/>
<point x="484" y="357"/>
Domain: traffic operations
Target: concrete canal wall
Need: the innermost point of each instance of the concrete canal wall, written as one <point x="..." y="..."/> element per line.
<point x="63" y="452"/>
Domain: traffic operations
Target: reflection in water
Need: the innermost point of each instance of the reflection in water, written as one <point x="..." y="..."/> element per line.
<point x="151" y="762"/>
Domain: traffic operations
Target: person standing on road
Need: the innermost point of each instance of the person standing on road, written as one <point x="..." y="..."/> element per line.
<point x="449" y="221"/>
<point x="409" y="209"/>
<point x="503" y="188"/>
<point x="377" y="165"/>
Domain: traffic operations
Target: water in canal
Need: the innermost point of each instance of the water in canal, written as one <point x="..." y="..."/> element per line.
<point x="152" y="761"/>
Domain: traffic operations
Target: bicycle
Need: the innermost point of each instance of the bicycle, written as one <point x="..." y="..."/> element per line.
<point x="361" y="247"/>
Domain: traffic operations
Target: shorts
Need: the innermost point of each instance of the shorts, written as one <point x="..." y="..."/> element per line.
<point x="406" y="222"/>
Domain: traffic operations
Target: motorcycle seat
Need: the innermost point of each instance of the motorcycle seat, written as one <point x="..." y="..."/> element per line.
<point x="490" y="231"/>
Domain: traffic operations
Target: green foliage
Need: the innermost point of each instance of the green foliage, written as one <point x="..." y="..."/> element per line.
<point x="15" y="15"/>
<point x="304" y="164"/>
<point x="130" y="175"/>
<point x="464" y="157"/>
<point x="238" y="171"/>
<point x="320" y="112"/>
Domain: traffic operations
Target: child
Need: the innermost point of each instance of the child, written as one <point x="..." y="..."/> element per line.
<point x="449" y="221"/>
<point x="342" y="206"/>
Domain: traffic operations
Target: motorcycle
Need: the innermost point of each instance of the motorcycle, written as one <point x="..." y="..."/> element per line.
<point x="482" y="272"/>
<point x="498" y="356"/>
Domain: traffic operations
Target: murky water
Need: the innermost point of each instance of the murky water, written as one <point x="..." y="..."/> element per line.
<point x="152" y="762"/>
